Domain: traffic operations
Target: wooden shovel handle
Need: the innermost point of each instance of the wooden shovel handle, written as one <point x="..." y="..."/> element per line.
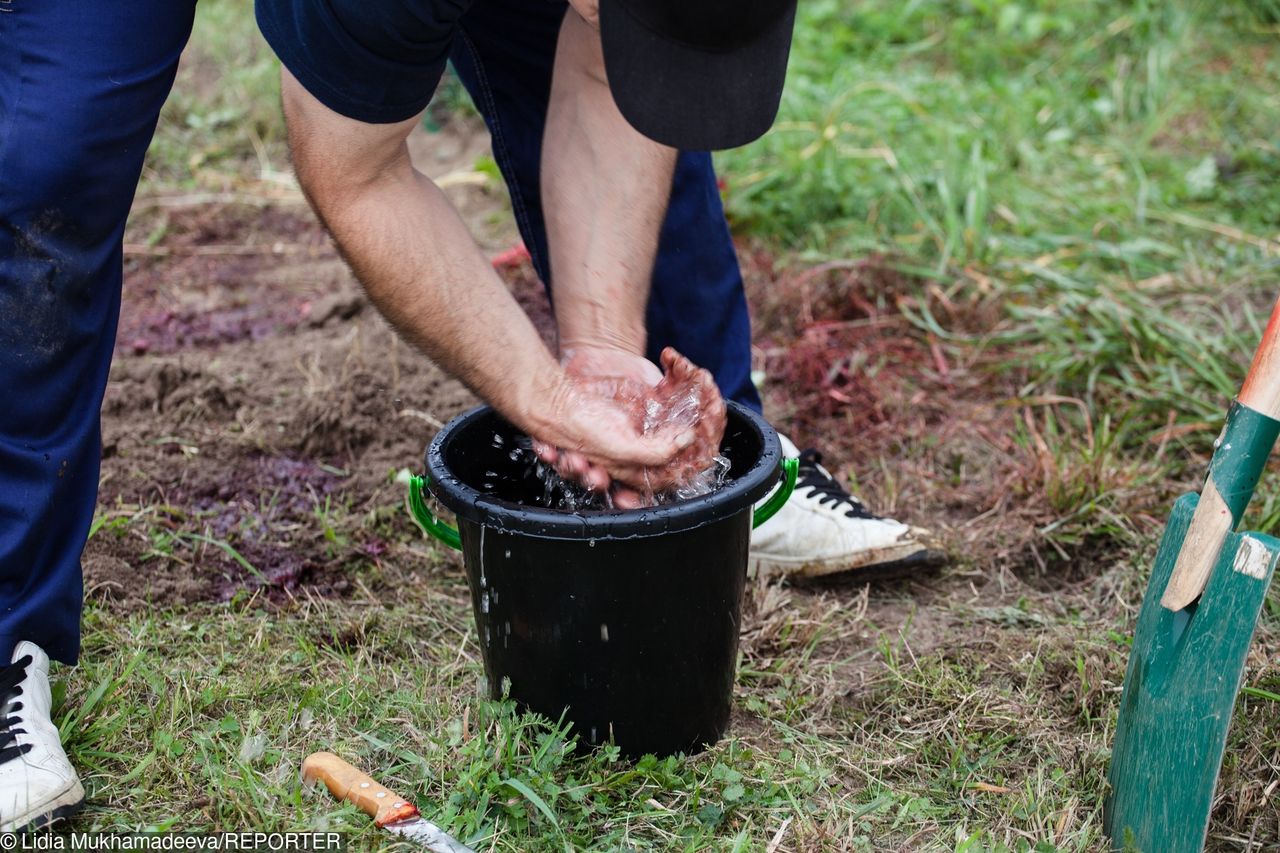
<point x="355" y="786"/>
<point x="1261" y="389"/>
<point x="1213" y="519"/>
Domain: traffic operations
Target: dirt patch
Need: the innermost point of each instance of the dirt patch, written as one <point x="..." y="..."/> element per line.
<point x="207" y="283"/>
<point x="922" y="429"/>
<point x="258" y="407"/>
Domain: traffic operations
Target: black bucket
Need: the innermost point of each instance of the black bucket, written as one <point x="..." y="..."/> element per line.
<point x="626" y="622"/>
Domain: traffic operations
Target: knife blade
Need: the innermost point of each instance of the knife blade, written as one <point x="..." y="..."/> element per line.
<point x="389" y="810"/>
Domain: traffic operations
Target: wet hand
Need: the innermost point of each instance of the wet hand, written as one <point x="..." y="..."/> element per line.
<point x="688" y="397"/>
<point x="596" y="437"/>
<point x="637" y="430"/>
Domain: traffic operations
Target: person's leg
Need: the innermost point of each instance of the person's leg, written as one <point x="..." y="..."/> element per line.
<point x="504" y="56"/>
<point x="81" y="86"/>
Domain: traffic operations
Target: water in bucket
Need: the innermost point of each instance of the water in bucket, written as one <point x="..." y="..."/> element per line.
<point x="567" y="495"/>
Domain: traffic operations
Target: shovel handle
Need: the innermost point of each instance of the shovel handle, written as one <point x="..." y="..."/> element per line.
<point x="355" y="786"/>
<point x="1261" y="389"/>
<point x="1238" y="460"/>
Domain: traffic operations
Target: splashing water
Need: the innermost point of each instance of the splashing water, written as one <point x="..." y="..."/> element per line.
<point x="673" y="406"/>
<point x="559" y="493"/>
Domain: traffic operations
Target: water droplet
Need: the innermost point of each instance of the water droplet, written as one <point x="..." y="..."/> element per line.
<point x="591" y="543"/>
<point x="604" y="632"/>
<point x="508" y="555"/>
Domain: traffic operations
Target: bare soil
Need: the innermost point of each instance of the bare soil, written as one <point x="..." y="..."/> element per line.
<point x="257" y="403"/>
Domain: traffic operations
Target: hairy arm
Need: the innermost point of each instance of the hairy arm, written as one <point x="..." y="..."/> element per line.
<point x="423" y="271"/>
<point x="605" y="189"/>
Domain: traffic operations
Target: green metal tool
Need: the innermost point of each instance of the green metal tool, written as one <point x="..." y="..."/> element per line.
<point x="1193" y="634"/>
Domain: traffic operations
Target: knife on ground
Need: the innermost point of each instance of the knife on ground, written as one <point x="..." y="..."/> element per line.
<point x="389" y="810"/>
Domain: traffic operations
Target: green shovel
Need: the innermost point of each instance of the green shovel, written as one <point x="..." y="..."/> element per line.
<point x="1193" y="634"/>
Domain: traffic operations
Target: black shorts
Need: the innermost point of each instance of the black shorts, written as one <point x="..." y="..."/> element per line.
<point x="375" y="61"/>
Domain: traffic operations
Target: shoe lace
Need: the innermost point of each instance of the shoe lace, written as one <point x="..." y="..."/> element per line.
<point x="825" y="487"/>
<point x="11" y="677"/>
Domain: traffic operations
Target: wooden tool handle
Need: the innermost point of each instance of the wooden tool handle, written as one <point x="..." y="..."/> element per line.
<point x="1261" y="390"/>
<point x="1215" y="517"/>
<point x="353" y="785"/>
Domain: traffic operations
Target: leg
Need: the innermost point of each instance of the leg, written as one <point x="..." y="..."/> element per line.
<point x="504" y="56"/>
<point x="81" y="87"/>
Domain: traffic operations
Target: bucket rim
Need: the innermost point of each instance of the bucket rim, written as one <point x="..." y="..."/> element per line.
<point x="736" y="496"/>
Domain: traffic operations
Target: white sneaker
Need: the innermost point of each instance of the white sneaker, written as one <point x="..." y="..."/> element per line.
<point x="823" y="529"/>
<point x="37" y="784"/>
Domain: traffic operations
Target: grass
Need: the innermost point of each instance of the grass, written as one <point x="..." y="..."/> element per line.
<point x="1103" y="174"/>
<point x="1081" y="199"/>
<point x="221" y="126"/>
<point x="199" y="717"/>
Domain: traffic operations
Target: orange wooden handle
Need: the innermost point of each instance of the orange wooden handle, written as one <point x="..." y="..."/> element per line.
<point x="1261" y="391"/>
<point x="353" y="785"/>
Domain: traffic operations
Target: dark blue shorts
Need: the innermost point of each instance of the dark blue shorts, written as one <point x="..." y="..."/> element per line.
<point x="374" y="61"/>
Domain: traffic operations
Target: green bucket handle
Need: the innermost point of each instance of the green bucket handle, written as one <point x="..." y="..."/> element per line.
<point x="766" y="511"/>
<point x="433" y="526"/>
<point x="422" y="514"/>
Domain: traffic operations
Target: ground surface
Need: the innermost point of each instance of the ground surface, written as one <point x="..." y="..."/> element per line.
<point x="256" y="592"/>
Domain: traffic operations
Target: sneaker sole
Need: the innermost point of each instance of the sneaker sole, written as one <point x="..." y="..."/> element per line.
<point x="59" y="808"/>
<point x="874" y="564"/>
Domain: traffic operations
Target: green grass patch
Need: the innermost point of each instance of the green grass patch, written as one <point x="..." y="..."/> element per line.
<point x="199" y="717"/>
<point x="1098" y="177"/>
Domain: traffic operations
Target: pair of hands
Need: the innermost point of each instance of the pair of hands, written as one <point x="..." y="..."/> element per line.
<point x="618" y="423"/>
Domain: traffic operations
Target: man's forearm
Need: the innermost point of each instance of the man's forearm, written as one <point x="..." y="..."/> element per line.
<point x="425" y="273"/>
<point x="421" y="267"/>
<point x="605" y="189"/>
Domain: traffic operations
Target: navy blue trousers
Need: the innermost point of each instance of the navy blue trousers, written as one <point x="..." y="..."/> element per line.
<point x="81" y="86"/>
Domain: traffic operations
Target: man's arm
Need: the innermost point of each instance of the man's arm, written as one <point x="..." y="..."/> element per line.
<point x="421" y="268"/>
<point x="605" y="189"/>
